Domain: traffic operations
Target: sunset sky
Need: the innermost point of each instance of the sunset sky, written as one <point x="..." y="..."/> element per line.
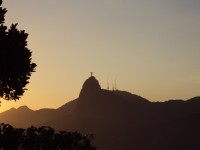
<point x="150" y="47"/>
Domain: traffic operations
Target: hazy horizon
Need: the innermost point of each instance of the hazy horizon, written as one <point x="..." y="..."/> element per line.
<point x="150" y="48"/>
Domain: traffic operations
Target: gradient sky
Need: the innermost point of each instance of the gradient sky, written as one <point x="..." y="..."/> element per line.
<point x="150" y="47"/>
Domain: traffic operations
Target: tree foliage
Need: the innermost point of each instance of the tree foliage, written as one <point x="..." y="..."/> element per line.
<point x="15" y="60"/>
<point x="42" y="138"/>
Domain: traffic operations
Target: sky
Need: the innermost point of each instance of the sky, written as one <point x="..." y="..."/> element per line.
<point x="149" y="47"/>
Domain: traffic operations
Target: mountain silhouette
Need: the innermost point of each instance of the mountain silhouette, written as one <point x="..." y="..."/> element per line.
<point x="119" y="119"/>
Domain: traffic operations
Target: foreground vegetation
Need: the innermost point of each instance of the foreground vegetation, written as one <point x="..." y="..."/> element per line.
<point x="42" y="138"/>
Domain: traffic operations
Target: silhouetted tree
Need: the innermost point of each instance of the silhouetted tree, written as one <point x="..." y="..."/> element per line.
<point x="15" y="60"/>
<point x="43" y="138"/>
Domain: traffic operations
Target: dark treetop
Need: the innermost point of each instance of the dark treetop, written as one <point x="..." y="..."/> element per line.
<point x="15" y="60"/>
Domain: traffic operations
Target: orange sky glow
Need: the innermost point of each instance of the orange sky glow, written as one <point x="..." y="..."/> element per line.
<point x="149" y="47"/>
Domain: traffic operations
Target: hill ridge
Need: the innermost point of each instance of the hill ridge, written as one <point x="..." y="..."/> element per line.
<point x="119" y="119"/>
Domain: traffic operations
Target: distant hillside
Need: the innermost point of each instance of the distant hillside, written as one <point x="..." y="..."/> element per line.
<point x="25" y="117"/>
<point x="120" y="120"/>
